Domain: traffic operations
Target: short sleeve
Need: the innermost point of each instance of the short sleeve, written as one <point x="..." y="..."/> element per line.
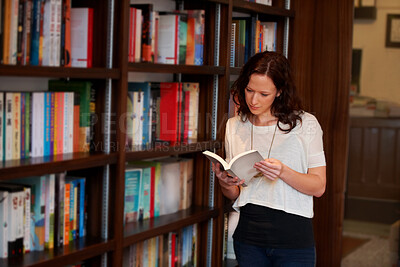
<point x="316" y="155"/>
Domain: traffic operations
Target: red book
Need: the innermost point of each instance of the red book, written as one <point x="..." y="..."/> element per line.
<point x="131" y="34"/>
<point x="169" y="93"/>
<point x="67" y="33"/>
<point x="152" y="190"/>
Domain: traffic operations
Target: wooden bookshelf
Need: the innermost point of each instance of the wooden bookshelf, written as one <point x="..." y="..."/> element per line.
<point x="93" y="246"/>
<point x="168" y="68"/>
<point x="139" y="231"/>
<point x="59" y="72"/>
<point x="78" y="250"/>
<point x="11" y="169"/>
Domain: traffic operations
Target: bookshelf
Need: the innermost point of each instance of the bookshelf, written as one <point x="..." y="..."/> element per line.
<point x="104" y="168"/>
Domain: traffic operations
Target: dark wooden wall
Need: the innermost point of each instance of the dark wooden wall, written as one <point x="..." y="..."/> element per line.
<point x="320" y="53"/>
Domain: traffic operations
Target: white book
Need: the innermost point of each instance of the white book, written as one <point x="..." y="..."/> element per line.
<point x="9" y="126"/>
<point x="168" y="39"/>
<point x="4" y="204"/>
<point x="57" y="34"/>
<point x="269" y="35"/>
<point x="138" y="36"/>
<point x="34" y="118"/>
<point x="66" y="122"/>
<point x="38" y="124"/>
<point x="240" y="166"/>
<point x="48" y="32"/>
<point x="27" y="219"/>
<point x="2" y="125"/>
<point x="138" y="132"/>
<point x="69" y="122"/>
<point x="81" y="37"/>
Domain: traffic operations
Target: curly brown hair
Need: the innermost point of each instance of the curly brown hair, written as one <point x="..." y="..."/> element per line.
<point x="287" y="107"/>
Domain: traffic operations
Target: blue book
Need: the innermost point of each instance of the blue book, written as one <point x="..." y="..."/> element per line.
<point x="132" y="187"/>
<point x="52" y="101"/>
<point x="35" y="32"/>
<point x="144" y="194"/>
<point x="144" y="87"/>
<point x="47" y="124"/>
<point x="81" y="210"/>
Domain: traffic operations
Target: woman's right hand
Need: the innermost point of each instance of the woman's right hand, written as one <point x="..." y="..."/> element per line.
<point x="225" y="180"/>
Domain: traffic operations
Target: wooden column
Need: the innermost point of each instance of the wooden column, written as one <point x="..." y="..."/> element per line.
<point x="320" y="53"/>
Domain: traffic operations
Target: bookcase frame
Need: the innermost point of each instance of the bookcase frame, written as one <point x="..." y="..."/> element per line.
<point x="107" y="238"/>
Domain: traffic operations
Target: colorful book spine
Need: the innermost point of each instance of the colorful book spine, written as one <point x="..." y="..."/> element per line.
<point x="132" y="189"/>
<point x="9" y="126"/>
<point x="28" y="121"/>
<point x="47" y="124"/>
<point x="2" y="127"/>
<point x="22" y="122"/>
<point x="67" y="194"/>
<point x="82" y="186"/>
<point x="4" y="204"/>
<point x="16" y="150"/>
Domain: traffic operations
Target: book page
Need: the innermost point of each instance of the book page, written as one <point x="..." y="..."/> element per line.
<point x="242" y="166"/>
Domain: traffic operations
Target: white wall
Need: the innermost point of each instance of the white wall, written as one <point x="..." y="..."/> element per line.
<point x="380" y="65"/>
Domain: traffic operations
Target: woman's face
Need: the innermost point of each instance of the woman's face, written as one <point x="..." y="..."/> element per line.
<point x="260" y="93"/>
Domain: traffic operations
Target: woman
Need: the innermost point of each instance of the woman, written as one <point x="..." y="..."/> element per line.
<point x="276" y="207"/>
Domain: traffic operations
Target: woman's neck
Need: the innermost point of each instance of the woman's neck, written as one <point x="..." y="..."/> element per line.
<point x="267" y="120"/>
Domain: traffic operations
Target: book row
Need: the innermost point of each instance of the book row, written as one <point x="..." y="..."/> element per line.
<point x="38" y="213"/>
<point x="158" y="187"/>
<point x="250" y="36"/>
<point x="263" y="2"/>
<point x="178" y="248"/>
<point x="161" y="111"/>
<point x="166" y="37"/>
<point x="37" y="124"/>
<point x="45" y="33"/>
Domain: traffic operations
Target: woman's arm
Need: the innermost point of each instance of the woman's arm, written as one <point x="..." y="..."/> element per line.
<point x="229" y="185"/>
<point x="312" y="183"/>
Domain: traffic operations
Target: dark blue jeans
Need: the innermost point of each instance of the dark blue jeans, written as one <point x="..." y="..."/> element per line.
<point x="255" y="256"/>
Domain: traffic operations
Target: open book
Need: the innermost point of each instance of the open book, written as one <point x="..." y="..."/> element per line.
<point x="240" y="166"/>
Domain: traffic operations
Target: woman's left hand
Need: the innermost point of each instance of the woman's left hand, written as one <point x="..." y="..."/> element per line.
<point x="270" y="168"/>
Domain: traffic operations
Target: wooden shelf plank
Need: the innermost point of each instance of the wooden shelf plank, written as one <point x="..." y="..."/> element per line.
<point x="235" y="70"/>
<point x="241" y="5"/>
<point x="169" y="68"/>
<point x="139" y="231"/>
<point x="60" y="72"/>
<point x="161" y="151"/>
<point x="81" y="249"/>
<point x="53" y="164"/>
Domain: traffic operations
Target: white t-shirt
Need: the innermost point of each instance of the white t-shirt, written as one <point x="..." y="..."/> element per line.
<point x="300" y="149"/>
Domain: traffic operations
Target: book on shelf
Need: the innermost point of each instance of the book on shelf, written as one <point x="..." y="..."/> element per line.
<point x="2" y="133"/>
<point x="84" y="90"/>
<point x="132" y="191"/>
<point x="145" y="87"/>
<point x="168" y="38"/>
<point x="4" y="204"/>
<point x="147" y="54"/>
<point x="82" y="37"/>
<point x="15" y="232"/>
<point x="240" y="166"/>
<point x="175" y="248"/>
